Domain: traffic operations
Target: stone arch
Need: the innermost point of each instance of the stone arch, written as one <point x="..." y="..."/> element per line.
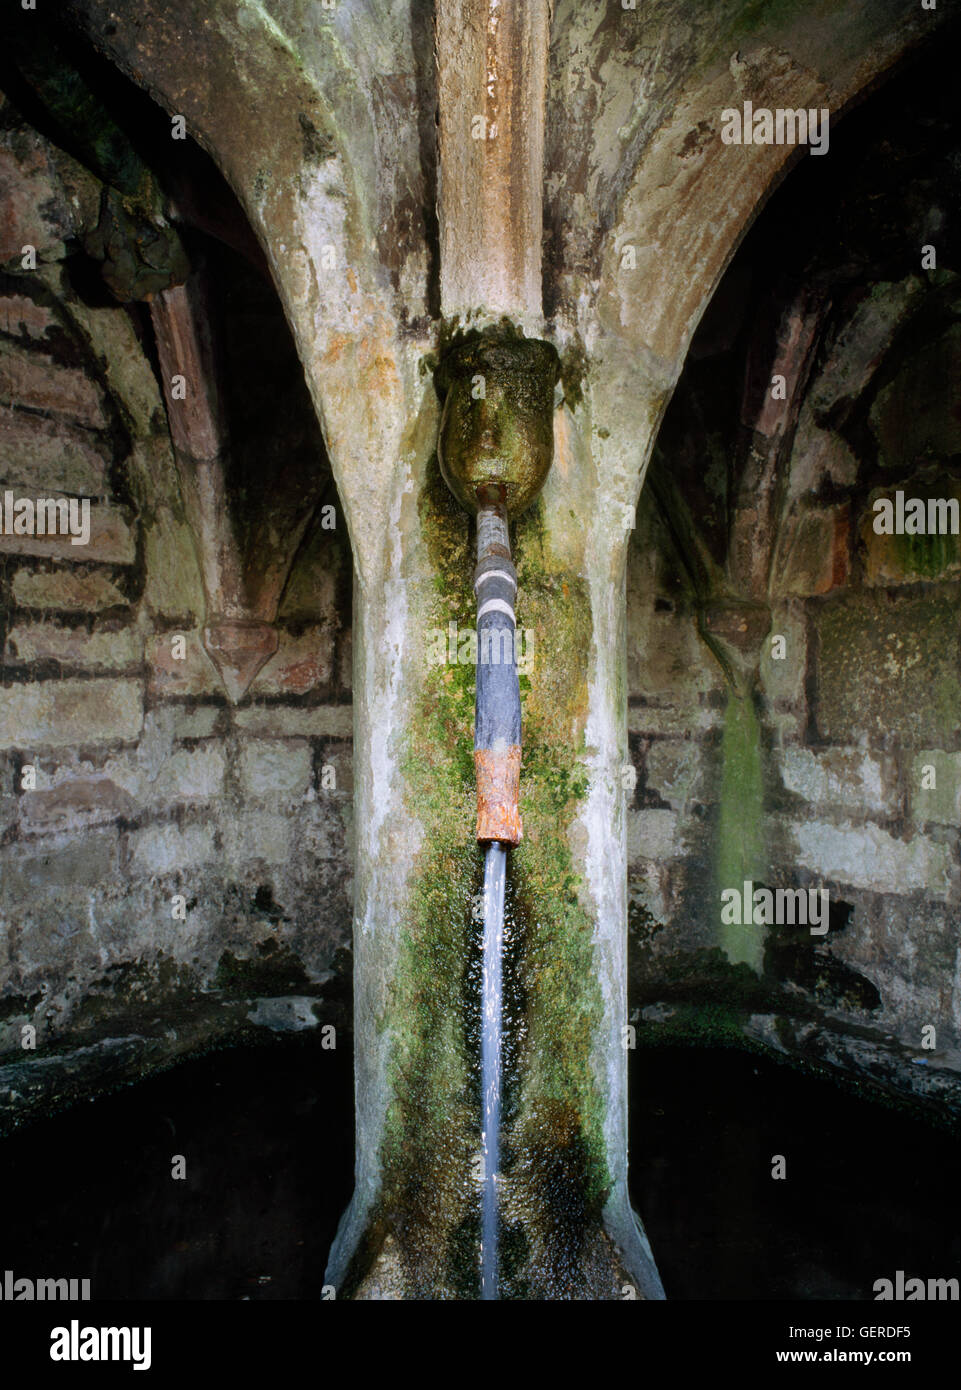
<point x="780" y="606"/>
<point x="141" y="771"/>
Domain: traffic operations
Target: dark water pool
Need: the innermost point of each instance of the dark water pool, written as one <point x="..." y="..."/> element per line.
<point x="267" y="1135"/>
<point x="868" y="1191"/>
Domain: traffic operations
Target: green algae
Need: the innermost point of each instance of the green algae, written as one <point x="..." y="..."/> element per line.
<point x="559" y="1125"/>
<point x="431" y="1131"/>
<point x="275" y="969"/>
<point x="740" y="846"/>
<point x="926" y="555"/>
<point x="553" y="1144"/>
<point x="496" y="428"/>
<point x="140" y="252"/>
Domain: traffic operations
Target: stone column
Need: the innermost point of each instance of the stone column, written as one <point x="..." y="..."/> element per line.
<point x="339" y="224"/>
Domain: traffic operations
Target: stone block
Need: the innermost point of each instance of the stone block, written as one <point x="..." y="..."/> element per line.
<point x="648" y="892"/>
<point x="173" y="587"/>
<point x="668" y="663"/>
<point x="672" y="720"/>
<point x="38" y="457"/>
<point x="340" y="760"/>
<point x="783" y="679"/>
<point x="112" y="539"/>
<point x="653" y="834"/>
<point x="301" y="663"/>
<point x="191" y="774"/>
<point x="35" y="381"/>
<point x="868" y="857"/>
<point x="84" y="861"/>
<point x="72" y="804"/>
<point x="281" y="721"/>
<point x="258" y="837"/>
<point x="320" y="837"/>
<point x="816" y="552"/>
<point x="116" y="650"/>
<point x="888" y="666"/>
<point x="70" y="713"/>
<point x="675" y="770"/>
<point x="23" y="317"/>
<point x="169" y="849"/>
<point x="72" y="591"/>
<point x="845" y="778"/>
<point x="276" y="769"/>
<point x="909" y="559"/>
<point x="940" y="804"/>
<point x="201" y="721"/>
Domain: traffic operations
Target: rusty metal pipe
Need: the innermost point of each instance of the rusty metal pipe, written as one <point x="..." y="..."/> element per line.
<point x="497" y="713"/>
<point x="495" y="450"/>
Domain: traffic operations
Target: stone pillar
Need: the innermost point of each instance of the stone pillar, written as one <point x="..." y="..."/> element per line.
<point x="342" y="229"/>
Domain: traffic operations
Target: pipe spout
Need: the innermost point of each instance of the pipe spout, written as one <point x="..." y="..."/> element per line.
<point x="495" y="448"/>
<point x="497" y="718"/>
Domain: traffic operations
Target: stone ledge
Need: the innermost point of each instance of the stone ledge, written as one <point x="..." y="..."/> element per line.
<point x="854" y="1056"/>
<point x="883" y="1063"/>
<point x="35" y="1086"/>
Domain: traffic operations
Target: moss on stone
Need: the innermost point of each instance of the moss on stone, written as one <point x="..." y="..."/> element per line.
<point x="574" y="367"/>
<point x="503" y="436"/>
<point x="776" y="15"/>
<point x="276" y="969"/>
<point x="740" y="845"/>
<point x="565" y="1007"/>
<point x="431" y="1130"/>
<point x="553" y="1138"/>
<point x="702" y="976"/>
<point x="698" y="1025"/>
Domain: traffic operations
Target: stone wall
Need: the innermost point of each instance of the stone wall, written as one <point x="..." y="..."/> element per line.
<point x="147" y="783"/>
<point x="839" y="765"/>
<point x="167" y="859"/>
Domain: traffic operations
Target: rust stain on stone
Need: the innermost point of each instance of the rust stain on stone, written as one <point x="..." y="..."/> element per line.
<point x="498" y="788"/>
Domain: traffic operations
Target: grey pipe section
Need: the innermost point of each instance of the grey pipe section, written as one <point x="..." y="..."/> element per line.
<point x="497" y="714"/>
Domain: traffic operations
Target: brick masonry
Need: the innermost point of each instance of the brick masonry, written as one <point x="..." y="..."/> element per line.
<point x="859" y="730"/>
<point x="127" y="780"/>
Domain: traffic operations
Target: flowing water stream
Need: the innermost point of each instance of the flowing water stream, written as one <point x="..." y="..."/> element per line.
<point x="492" y="1014"/>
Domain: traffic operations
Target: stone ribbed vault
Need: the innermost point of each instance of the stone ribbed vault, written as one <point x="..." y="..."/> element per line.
<point x="323" y="122"/>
